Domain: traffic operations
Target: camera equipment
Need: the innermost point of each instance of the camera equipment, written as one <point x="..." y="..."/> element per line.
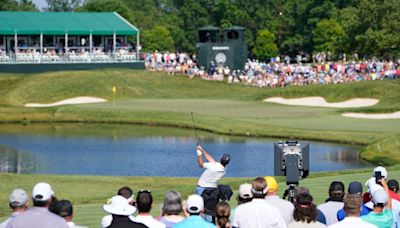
<point x="378" y="176"/>
<point x="291" y="160"/>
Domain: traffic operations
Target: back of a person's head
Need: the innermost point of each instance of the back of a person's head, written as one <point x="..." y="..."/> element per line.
<point x="336" y="190"/>
<point x="126" y="192"/>
<point x="144" y="200"/>
<point x="305" y="210"/>
<point x="259" y="187"/>
<point x="352" y="204"/>
<point x="63" y="208"/>
<point x="393" y="185"/>
<point x="222" y="212"/>
<point x="172" y="204"/>
<point x="301" y="190"/>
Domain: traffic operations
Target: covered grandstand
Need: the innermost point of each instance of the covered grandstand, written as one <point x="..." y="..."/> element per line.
<point x="67" y="37"/>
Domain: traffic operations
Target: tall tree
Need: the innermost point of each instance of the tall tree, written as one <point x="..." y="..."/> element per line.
<point x="328" y="36"/>
<point x="265" y="46"/>
<point x="62" y="5"/>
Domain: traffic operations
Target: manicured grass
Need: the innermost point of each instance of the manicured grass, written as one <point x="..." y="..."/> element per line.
<point x="156" y="98"/>
<point x="89" y="193"/>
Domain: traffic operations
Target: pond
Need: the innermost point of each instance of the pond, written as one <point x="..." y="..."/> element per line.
<point x="136" y="150"/>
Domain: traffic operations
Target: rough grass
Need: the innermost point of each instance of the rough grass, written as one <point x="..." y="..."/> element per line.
<point x="89" y="193"/>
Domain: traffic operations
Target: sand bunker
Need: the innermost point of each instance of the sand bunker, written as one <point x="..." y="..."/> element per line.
<point x="380" y="116"/>
<point x="321" y="102"/>
<point x="75" y="100"/>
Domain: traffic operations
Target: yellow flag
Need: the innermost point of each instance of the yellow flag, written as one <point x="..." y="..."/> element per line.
<point x="114" y="89"/>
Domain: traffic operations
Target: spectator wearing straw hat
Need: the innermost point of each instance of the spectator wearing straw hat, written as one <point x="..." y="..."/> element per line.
<point x="127" y="193"/>
<point x="18" y="204"/>
<point x="39" y="215"/>
<point x="120" y="209"/>
<point x="285" y="207"/>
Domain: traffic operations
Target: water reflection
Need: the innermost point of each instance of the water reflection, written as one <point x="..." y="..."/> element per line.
<point x="146" y="151"/>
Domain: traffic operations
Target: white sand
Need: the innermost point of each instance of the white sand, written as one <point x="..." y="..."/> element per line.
<point x="321" y="102"/>
<point x="381" y="116"/>
<point x="75" y="100"/>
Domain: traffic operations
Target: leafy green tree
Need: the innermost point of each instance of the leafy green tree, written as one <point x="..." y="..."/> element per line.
<point x="107" y="6"/>
<point x="265" y="46"/>
<point x="14" y="5"/>
<point x="328" y="36"/>
<point x="62" y="5"/>
<point x="158" y="38"/>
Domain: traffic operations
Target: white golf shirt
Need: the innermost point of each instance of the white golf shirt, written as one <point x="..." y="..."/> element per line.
<point x="213" y="173"/>
<point x="352" y="222"/>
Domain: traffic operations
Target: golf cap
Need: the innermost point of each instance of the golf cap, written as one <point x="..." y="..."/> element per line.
<point x="42" y="192"/>
<point x="195" y="204"/>
<point x="382" y="170"/>
<point x="271" y="183"/>
<point x="119" y="206"/>
<point x="393" y="185"/>
<point x="355" y="187"/>
<point x="380" y="196"/>
<point x="245" y="191"/>
<point x="225" y="159"/>
<point x="18" y="197"/>
<point x="336" y="187"/>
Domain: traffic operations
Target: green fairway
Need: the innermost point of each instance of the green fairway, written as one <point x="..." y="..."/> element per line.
<point x="156" y="98"/>
<point x="89" y="193"/>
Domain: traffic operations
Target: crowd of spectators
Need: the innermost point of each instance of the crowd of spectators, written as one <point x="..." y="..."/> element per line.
<point x="258" y="205"/>
<point x="277" y="73"/>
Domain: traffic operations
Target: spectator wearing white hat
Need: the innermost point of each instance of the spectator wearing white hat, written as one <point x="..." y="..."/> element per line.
<point x="39" y="215"/>
<point x="258" y="213"/>
<point x="120" y="209"/>
<point x="127" y="193"/>
<point x="285" y="207"/>
<point x="245" y="195"/>
<point x="144" y="202"/>
<point x="195" y="207"/>
<point x="381" y="215"/>
<point x="18" y="204"/>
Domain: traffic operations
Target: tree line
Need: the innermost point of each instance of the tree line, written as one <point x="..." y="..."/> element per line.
<point x="286" y="27"/>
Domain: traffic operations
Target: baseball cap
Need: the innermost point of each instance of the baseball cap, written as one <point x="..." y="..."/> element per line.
<point x="355" y="187"/>
<point x="380" y="169"/>
<point x="336" y="187"/>
<point x="225" y="159"/>
<point x="245" y="191"/>
<point x="119" y="206"/>
<point x="18" y="197"/>
<point x="380" y="196"/>
<point x="42" y="191"/>
<point x="271" y="183"/>
<point x="195" y="204"/>
<point x="393" y="185"/>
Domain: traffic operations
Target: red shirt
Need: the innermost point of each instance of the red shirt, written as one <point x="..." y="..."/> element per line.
<point x="394" y="195"/>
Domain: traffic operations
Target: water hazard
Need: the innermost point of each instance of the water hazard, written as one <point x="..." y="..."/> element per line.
<point x="146" y="151"/>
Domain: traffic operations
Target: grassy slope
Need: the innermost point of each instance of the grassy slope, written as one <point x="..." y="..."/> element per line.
<point x="89" y="193"/>
<point x="155" y="98"/>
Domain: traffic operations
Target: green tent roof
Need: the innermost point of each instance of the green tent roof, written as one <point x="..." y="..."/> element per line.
<point x="56" y="23"/>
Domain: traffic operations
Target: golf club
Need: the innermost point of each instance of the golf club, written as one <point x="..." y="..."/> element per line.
<point x="195" y="132"/>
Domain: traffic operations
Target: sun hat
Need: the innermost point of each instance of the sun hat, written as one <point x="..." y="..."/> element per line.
<point x="42" y="192"/>
<point x="18" y="197"/>
<point x="195" y="204"/>
<point x="271" y="183"/>
<point x="382" y="170"/>
<point x="119" y="206"/>
<point x="380" y="196"/>
<point x="355" y="187"/>
<point x="245" y="191"/>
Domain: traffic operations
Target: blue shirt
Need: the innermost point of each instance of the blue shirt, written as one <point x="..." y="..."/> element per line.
<point x="194" y="221"/>
<point x="341" y="214"/>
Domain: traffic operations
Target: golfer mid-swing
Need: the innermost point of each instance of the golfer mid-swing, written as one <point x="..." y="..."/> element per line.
<point x="214" y="170"/>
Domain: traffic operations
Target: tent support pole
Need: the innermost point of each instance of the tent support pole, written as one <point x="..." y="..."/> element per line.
<point x="15" y="42"/>
<point x="114" y="44"/>
<point x="66" y="45"/>
<point x="137" y="46"/>
<point x="91" y="43"/>
<point x="41" y="46"/>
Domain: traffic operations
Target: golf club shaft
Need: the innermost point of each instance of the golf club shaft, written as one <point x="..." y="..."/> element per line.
<point x="195" y="131"/>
